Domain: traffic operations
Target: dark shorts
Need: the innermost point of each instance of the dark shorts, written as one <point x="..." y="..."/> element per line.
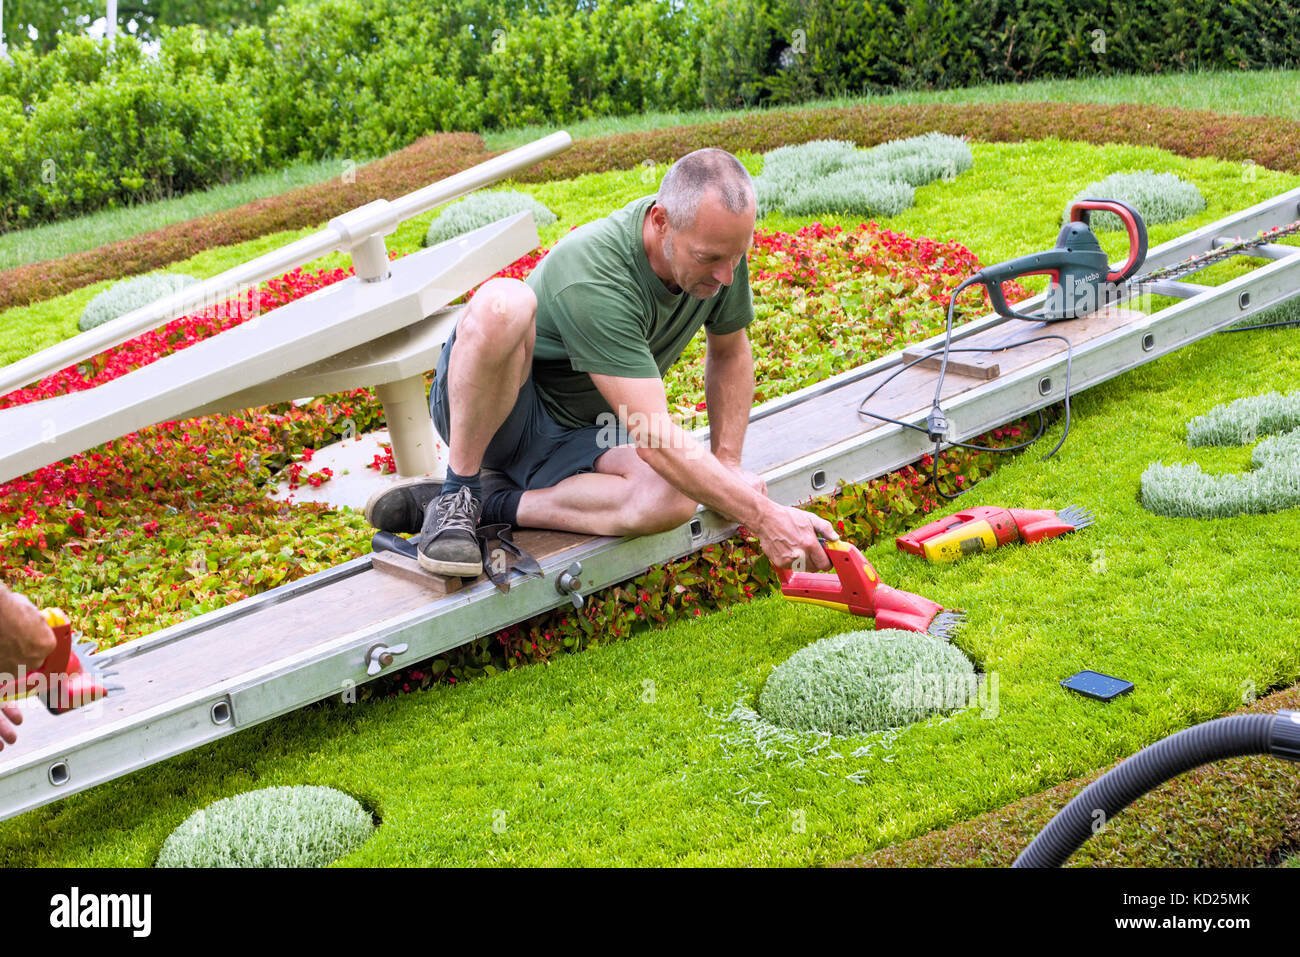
<point x="531" y="448"/>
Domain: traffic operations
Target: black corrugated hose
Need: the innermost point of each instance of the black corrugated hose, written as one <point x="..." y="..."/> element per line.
<point x="1277" y="734"/>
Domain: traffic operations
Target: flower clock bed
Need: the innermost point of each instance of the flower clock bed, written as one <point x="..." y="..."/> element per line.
<point x="642" y="752"/>
<point x="171" y="521"/>
<point x="660" y="734"/>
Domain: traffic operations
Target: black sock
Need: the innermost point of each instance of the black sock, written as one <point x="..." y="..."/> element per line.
<point x="502" y="507"/>
<point x="454" y="483"/>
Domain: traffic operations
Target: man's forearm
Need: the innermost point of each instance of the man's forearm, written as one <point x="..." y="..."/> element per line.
<point x="729" y="394"/>
<point x="695" y="472"/>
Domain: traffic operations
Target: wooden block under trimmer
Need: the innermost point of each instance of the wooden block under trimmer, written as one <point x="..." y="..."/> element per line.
<point x="410" y="570"/>
<point x="976" y="366"/>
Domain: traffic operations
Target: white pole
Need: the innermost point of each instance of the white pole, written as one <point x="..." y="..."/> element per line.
<point x="111" y="28"/>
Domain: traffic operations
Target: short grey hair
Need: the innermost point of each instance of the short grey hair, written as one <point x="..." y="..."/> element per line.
<point x="687" y="181"/>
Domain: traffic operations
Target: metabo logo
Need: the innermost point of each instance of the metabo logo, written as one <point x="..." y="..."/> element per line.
<point x="102" y="910"/>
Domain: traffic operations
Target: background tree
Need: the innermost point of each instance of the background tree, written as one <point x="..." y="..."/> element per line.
<point x="143" y="18"/>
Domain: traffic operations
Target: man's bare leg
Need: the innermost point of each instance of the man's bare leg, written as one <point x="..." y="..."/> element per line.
<point x="488" y="366"/>
<point x="623" y="496"/>
<point x="490" y="362"/>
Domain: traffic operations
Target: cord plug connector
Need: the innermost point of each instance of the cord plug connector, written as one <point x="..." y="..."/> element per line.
<point x="936" y="424"/>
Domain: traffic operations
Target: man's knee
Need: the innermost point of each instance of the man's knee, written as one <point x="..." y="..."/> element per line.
<point x="658" y="508"/>
<point x="501" y="314"/>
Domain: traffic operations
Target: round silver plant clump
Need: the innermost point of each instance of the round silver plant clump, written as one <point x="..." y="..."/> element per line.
<point x="480" y="209"/>
<point x="834" y="176"/>
<point x="305" y="826"/>
<point x="865" y="681"/>
<point x="1158" y="197"/>
<point x="1183" y="490"/>
<point x="129" y="295"/>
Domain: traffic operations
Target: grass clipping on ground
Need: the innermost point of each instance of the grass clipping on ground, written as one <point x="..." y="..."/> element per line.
<point x="273" y="827"/>
<point x="866" y="681"/>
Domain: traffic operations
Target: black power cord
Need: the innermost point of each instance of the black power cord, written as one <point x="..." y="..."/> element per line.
<point x="1263" y="325"/>
<point x="936" y="422"/>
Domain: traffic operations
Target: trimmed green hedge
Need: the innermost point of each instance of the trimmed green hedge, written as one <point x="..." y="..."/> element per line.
<point x="760" y="51"/>
<point x="352" y="78"/>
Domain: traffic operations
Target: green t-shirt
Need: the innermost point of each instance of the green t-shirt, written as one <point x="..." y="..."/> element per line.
<point x="601" y="308"/>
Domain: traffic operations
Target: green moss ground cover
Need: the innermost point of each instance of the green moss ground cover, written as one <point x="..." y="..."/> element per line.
<point x="622" y="754"/>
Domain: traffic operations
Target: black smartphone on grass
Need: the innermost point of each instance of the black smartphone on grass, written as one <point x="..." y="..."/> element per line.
<point x="1094" y="684"/>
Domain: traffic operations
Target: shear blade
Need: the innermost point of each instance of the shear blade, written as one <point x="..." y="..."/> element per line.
<point x="1078" y="517"/>
<point x="946" y="624"/>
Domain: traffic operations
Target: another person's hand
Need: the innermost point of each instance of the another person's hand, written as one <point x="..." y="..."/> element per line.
<point x="788" y="537"/>
<point x="10" y="715"/>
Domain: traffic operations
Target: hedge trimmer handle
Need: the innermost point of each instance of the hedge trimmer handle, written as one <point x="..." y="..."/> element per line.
<point x="1080" y="212"/>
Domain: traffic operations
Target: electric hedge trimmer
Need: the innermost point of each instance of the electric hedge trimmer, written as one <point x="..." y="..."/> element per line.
<point x="853" y="586"/>
<point x="67" y="679"/>
<point x="1080" y="283"/>
<point x="1080" y="280"/>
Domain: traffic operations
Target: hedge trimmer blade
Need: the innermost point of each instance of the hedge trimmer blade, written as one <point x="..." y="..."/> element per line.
<point x="854" y="586"/>
<point x="95" y="676"/>
<point x="1078" y="517"/>
<point x="947" y="624"/>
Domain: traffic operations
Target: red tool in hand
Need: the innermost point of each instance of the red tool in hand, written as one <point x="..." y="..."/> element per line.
<point x="854" y="586"/>
<point x="64" y="680"/>
<point x="984" y="529"/>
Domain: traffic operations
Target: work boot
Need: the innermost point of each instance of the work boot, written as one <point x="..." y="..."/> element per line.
<point x="399" y="507"/>
<point x="449" y="543"/>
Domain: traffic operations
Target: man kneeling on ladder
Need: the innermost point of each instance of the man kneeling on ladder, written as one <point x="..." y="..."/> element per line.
<point x="528" y="383"/>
